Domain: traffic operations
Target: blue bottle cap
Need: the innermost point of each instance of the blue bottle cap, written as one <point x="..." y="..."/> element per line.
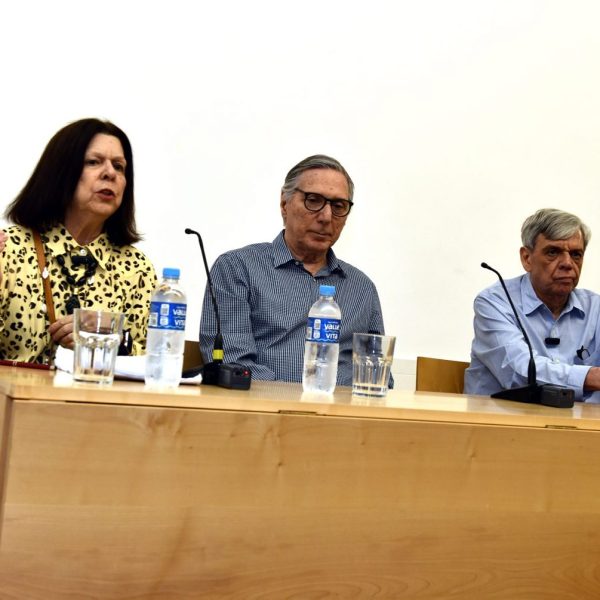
<point x="171" y="273"/>
<point x="327" y="290"/>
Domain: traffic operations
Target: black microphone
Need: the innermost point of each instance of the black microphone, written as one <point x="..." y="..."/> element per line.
<point x="217" y="354"/>
<point x="558" y="396"/>
<point x="233" y="375"/>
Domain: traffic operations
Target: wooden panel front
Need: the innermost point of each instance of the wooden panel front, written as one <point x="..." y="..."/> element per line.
<point x="109" y="501"/>
<point x="5" y="406"/>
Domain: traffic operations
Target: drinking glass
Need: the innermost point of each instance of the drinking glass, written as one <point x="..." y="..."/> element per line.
<point x="372" y="357"/>
<point x="97" y="336"/>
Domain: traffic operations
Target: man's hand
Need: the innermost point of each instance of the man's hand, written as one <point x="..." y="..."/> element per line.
<point x="592" y="380"/>
<point x="61" y="332"/>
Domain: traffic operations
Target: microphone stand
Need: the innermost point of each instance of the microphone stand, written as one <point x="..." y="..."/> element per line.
<point x="557" y="396"/>
<point x="210" y="371"/>
<point x="233" y="376"/>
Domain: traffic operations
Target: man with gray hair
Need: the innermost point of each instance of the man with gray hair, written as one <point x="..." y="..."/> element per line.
<point x="562" y="322"/>
<point x="264" y="291"/>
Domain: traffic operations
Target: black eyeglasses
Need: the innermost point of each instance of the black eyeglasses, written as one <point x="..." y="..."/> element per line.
<point x="316" y="202"/>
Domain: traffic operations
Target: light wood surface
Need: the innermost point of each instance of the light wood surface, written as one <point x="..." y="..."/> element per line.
<point x="5" y="406"/>
<point x="440" y="375"/>
<point x="208" y="493"/>
<point x="192" y="357"/>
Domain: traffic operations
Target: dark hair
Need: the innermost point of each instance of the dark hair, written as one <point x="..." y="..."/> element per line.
<point x="317" y="161"/>
<point x="44" y="200"/>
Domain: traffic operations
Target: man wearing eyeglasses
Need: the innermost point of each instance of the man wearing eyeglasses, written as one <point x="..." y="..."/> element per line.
<point x="264" y="291"/>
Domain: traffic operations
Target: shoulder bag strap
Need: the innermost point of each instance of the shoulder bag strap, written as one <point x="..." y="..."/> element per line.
<point x="41" y="256"/>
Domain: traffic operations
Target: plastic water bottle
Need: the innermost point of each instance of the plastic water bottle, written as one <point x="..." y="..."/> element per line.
<point x="322" y="347"/>
<point x="166" y="333"/>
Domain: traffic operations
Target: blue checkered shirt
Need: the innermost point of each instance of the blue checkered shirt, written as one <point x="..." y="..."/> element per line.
<point x="264" y="295"/>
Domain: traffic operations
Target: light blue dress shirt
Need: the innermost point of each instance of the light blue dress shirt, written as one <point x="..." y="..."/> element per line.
<point x="499" y="354"/>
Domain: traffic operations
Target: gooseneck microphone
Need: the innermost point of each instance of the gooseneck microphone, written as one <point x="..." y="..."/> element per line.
<point x="547" y="394"/>
<point x="217" y="354"/>
<point x="216" y="372"/>
<point x="531" y="371"/>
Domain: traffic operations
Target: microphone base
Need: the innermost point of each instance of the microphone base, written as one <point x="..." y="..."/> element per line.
<point x="232" y="376"/>
<point x="557" y="396"/>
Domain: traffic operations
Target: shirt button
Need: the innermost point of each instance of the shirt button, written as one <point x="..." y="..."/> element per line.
<point x="82" y="251"/>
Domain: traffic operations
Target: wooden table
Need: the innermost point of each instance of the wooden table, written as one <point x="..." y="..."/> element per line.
<point x="210" y="493"/>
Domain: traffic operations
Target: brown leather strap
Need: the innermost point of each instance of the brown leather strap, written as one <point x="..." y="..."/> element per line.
<point x="41" y="256"/>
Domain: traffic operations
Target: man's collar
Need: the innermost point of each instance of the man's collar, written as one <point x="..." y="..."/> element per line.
<point x="531" y="301"/>
<point x="283" y="256"/>
<point x="60" y="242"/>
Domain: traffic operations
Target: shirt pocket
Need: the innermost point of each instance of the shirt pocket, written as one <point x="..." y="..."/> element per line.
<point x="587" y="355"/>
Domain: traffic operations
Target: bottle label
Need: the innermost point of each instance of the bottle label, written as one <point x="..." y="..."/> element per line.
<point x="167" y="315"/>
<point x="320" y="329"/>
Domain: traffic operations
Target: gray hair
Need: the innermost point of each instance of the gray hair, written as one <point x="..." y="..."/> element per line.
<point x="555" y="225"/>
<point x="317" y="161"/>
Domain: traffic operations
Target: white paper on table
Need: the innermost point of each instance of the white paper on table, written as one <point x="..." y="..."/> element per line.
<point x="126" y="367"/>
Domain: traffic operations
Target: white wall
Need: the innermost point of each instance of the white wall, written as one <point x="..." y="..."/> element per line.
<point x="455" y="119"/>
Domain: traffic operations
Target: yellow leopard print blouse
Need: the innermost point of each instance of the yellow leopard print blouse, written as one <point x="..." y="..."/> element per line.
<point x="123" y="282"/>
